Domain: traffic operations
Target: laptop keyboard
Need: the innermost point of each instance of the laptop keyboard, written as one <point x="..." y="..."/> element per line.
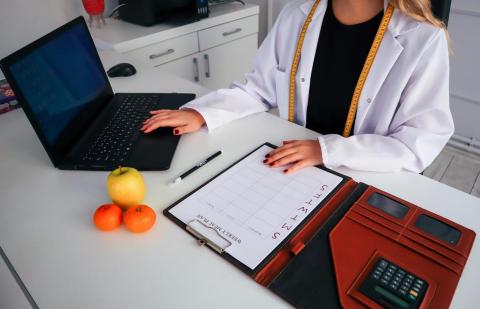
<point x="115" y="143"/>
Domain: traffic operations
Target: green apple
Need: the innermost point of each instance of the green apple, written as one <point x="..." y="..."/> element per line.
<point x="126" y="187"/>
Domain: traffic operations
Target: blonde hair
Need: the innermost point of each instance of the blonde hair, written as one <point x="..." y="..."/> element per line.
<point x="421" y="10"/>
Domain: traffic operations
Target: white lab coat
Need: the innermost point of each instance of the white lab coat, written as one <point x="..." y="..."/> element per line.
<point x="403" y="119"/>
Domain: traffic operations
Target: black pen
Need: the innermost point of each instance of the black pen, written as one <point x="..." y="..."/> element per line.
<point x="196" y="167"/>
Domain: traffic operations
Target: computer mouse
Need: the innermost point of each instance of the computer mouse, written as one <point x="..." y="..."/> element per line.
<point x="121" y="70"/>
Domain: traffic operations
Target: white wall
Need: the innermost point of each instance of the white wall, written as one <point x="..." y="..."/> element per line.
<point x="23" y="21"/>
<point x="464" y="26"/>
<point x="263" y="19"/>
<point x="276" y="7"/>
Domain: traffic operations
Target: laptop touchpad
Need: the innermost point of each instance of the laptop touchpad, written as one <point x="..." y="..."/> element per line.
<point x="154" y="150"/>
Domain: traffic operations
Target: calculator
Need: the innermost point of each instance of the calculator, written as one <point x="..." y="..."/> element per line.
<point x="393" y="287"/>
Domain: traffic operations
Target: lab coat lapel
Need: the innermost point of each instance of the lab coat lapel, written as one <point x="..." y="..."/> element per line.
<point x="387" y="54"/>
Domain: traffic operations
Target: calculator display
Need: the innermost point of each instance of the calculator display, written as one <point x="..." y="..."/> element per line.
<point x="390" y="296"/>
<point x="388" y="205"/>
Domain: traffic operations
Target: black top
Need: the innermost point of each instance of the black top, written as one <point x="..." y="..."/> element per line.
<point x="339" y="59"/>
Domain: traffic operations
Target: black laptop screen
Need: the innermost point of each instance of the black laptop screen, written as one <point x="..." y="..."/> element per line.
<point x="59" y="78"/>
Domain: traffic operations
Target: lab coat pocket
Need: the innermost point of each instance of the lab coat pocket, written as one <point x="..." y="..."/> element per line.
<point x="282" y="88"/>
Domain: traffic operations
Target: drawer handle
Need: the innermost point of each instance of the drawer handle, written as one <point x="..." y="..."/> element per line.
<point x="196" y="71"/>
<point x="207" y="65"/>
<point x="232" y="32"/>
<point x="168" y="52"/>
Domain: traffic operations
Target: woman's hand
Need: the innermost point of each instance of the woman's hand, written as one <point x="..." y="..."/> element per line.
<point x="183" y="121"/>
<point x="299" y="153"/>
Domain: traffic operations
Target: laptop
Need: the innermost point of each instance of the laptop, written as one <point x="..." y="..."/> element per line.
<point x="60" y="82"/>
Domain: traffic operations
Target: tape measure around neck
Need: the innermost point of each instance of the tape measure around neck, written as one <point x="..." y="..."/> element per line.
<point x="387" y="16"/>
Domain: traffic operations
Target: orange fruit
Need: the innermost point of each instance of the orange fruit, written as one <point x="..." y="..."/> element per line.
<point x="107" y="217"/>
<point x="139" y="219"/>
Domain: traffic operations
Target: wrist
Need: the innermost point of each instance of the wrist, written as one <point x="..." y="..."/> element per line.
<point x="198" y="118"/>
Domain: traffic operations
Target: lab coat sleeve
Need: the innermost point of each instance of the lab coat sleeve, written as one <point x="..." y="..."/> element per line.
<point x="258" y="94"/>
<point x="421" y="127"/>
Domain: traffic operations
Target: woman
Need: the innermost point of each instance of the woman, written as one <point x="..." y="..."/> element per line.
<point x="402" y="119"/>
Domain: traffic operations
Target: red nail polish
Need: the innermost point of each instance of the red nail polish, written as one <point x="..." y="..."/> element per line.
<point x="271" y="164"/>
<point x="267" y="155"/>
<point x="285" y="171"/>
<point x="265" y="161"/>
<point x="175" y="132"/>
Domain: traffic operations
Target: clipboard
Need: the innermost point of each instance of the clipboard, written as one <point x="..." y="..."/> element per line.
<point x="207" y="236"/>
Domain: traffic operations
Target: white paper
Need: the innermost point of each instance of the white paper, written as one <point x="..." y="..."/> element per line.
<point x="256" y="207"/>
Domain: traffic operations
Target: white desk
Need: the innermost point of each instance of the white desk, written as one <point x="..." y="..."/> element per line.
<point x="47" y="232"/>
<point x="11" y="294"/>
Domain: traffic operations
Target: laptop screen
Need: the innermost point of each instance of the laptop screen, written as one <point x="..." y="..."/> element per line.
<point x="61" y="84"/>
<point x="58" y="79"/>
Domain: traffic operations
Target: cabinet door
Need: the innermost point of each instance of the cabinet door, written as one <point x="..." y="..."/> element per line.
<point x="188" y="68"/>
<point x="226" y="63"/>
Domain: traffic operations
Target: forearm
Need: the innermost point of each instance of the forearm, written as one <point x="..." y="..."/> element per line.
<point x="407" y="149"/>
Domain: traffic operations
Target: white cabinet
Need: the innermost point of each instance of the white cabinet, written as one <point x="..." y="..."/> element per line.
<point x="217" y="67"/>
<point x="212" y="52"/>
<point x="224" y="64"/>
<point x="166" y="51"/>
<point x="187" y="68"/>
<point x="226" y="54"/>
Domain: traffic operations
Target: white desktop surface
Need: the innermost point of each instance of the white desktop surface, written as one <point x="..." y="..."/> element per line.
<point x="47" y="232"/>
<point x="11" y="295"/>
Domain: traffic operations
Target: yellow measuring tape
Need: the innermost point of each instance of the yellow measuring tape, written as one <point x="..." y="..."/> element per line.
<point x="363" y="75"/>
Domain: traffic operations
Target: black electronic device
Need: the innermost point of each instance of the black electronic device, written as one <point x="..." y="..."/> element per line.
<point x="151" y="12"/>
<point x="393" y="287"/>
<point x="121" y="70"/>
<point x="61" y="84"/>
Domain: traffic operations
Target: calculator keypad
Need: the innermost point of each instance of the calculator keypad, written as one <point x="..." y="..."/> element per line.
<point x="390" y="279"/>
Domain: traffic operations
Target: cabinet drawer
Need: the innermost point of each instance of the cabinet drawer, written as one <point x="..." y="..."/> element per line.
<point x="168" y="50"/>
<point x="227" y="32"/>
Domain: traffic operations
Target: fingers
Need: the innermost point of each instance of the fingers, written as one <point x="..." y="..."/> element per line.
<point x="162" y="122"/>
<point x="183" y="121"/>
<point x="164" y="118"/>
<point x="159" y="114"/>
<point x="279" y="154"/>
<point x="184" y="129"/>
<point x="154" y="119"/>
<point x="287" y="159"/>
<point x="286" y="145"/>
<point x="299" y="154"/>
<point x="160" y="111"/>
<point x="296" y="167"/>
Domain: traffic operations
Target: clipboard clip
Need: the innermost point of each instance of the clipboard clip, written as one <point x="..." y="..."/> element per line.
<point x="208" y="236"/>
